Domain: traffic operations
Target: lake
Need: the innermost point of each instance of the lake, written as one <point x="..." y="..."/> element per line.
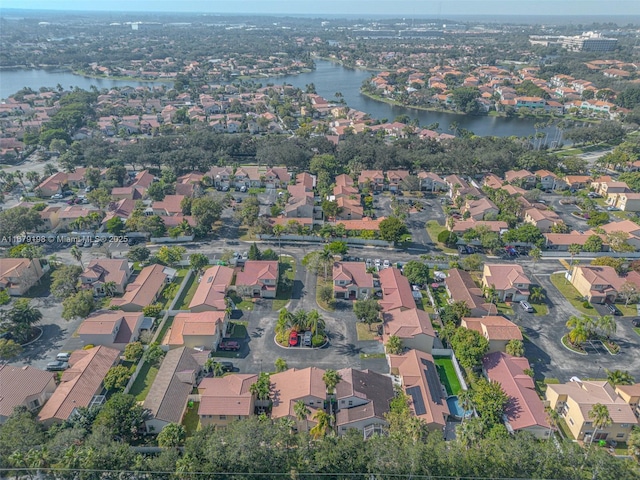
<point x="328" y="78"/>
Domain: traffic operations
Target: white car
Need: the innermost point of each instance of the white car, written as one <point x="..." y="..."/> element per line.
<point x="377" y="262"/>
<point x="386" y="264"/>
<point x="57" y="196"/>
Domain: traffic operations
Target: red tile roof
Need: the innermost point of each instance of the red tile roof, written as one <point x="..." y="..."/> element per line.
<point x="213" y="288"/>
<point x="396" y="291"/>
<point x="19" y="383"/>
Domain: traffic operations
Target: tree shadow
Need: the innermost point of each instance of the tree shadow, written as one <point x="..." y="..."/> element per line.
<point x="297" y="290"/>
<point x="347" y="349"/>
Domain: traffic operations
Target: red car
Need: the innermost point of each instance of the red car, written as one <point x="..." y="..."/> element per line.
<point x="293" y="338"/>
<point x="229" y="345"/>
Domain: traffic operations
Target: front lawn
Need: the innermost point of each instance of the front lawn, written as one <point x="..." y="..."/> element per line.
<point x="283" y="295"/>
<point x="319" y="284"/>
<point x="191" y="421"/>
<point x="187" y="293"/>
<point x="637" y="330"/>
<point x="367" y="332"/>
<point x="238" y="329"/>
<point x="627" y="310"/>
<point x="540" y="309"/>
<point x="571" y="294"/>
<point x="434" y="229"/>
<point x="143" y="382"/>
<point x="447" y="374"/>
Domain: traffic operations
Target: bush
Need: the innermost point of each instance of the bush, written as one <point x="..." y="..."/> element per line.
<point x="4" y="297"/>
<point x="88" y="347"/>
<point x="586" y="304"/>
<point x="317" y="341"/>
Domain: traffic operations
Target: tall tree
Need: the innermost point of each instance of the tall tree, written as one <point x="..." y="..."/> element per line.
<point x="331" y="378"/>
<point x="302" y="412"/>
<point x="76" y="253"/>
<point x="599" y="413"/>
<point x="618" y="377"/>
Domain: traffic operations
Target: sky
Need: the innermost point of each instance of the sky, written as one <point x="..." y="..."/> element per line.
<point x="394" y="8"/>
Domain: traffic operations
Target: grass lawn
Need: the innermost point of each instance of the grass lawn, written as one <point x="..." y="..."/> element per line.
<point x="628" y="310"/>
<point x="571" y="294"/>
<point x="504" y="309"/>
<point x="434" y="229"/>
<point x="365" y="356"/>
<point x="238" y="329"/>
<point x="319" y="284"/>
<point x="188" y="293"/>
<point x="283" y="295"/>
<point x="143" y="382"/>
<point x="441" y="297"/>
<point x="165" y="327"/>
<point x="637" y="330"/>
<point x="191" y="421"/>
<point x="246" y="305"/>
<point x="564" y="428"/>
<point x="540" y="309"/>
<point x="367" y="332"/>
<point x="566" y="343"/>
<point x="447" y="375"/>
<point x="424" y="303"/>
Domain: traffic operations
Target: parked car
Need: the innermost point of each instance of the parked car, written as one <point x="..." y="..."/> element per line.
<point x="613" y="209"/>
<point x="526" y="307"/>
<point x="293" y="338"/>
<point x="636" y="322"/>
<point x="227" y="366"/>
<point x="63" y="357"/>
<point x="613" y="309"/>
<point x="228" y="345"/>
<point x="56" y="196"/>
<point x="57" y="366"/>
<point x="377" y="262"/>
<point x="306" y="339"/>
<point x="88" y="189"/>
<point x="386" y="264"/>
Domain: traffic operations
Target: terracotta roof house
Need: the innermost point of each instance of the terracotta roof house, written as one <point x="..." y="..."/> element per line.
<point x="122" y="208"/>
<point x="480" y="208"/>
<point x="53" y="184"/>
<point x="167" y="397"/>
<point x="104" y="270"/>
<point x="351" y="280"/>
<point x="25" y="386"/>
<point x="144" y="289"/>
<point x="462" y="226"/>
<point x="371" y="178"/>
<point x="509" y="280"/>
<point x="111" y="328"/>
<point x="543" y="219"/>
<point x="259" y="278"/>
<point x="211" y="292"/>
<point x="492" y="181"/>
<point x="631" y="395"/>
<point x="143" y="180"/>
<point x="306" y="180"/>
<point x="431" y="182"/>
<point x="549" y="180"/>
<point x="524" y="411"/>
<point x="562" y="241"/>
<point x="577" y="182"/>
<point x="420" y="381"/>
<point x="292" y="385"/>
<point x="601" y="284"/>
<point x="523" y="178"/>
<point x="363" y="398"/>
<point x="226" y="399"/>
<point x="361" y="225"/>
<point x="203" y="329"/>
<point x="350" y="208"/>
<point x="344" y="180"/>
<point x="455" y="183"/>
<point x="169" y="206"/>
<point x="461" y="287"/>
<point x="81" y="384"/>
<point x="412" y="326"/>
<point x="396" y="291"/>
<point x="18" y="275"/>
<point x="575" y="399"/>
<point x="222" y="176"/>
<point x="497" y="330"/>
<point x="395" y="178"/>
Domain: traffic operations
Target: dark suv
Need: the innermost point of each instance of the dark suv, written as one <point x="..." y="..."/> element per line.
<point x="613" y="309"/>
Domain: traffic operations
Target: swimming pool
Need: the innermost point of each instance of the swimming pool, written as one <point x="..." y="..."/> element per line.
<point x="455" y="409"/>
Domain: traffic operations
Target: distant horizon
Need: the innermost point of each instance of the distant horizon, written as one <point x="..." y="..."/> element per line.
<point x="338" y="8"/>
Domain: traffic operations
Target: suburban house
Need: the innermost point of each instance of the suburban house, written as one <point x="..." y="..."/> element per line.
<point x="549" y="180"/>
<point x="431" y="182"/>
<point x="105" y="270"/>
<point x="497" y="330"/>
<point x="631" y="395"/>
<point x="562" y="241"/>
<point x="524" y="411"/>
<point x="212" y="289"/>
<point x="627" y="226"/>
<point x="26" y="386"/>
<point x="523" y="178"/>
<point x="461" y="287"/>
<point x="351" y="280"/>
<point x="202" y="329"/>
<point x="111" y="328"/>
<point x="18" y="275"/>
<point x="52" y="185"/>
<point x="576" y="182"/>
<point x="293" y="385"/>
<point x="168" y="395"/>
<point x="222" y="177"/>
<point x="226" y="399"/>
<point x="462" y="226"/>
<point x="478" y="209"/>
<point x="420" y="381"/>
<point x="145" y="289"/>
<point x="396" y="291"/>
<point x="601" y="284"/>
<point x="349" y="208"/>
<point x="412" y="326"/>
<point x="81" y="384"/>
<point x="509" y="280"/>
<point x="543" y="219"/>
<point x="575" y="399"/>
<point x="626" y="201"/>
<point x="395" y="178"/>
<point x="301" y="202"/>
<point x="169" y="206"/>
<point x="363" y="398"/>
<point x="373" y="179"/>
<point x="259" y="278"/>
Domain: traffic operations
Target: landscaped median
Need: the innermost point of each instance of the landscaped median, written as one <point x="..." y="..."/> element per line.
<point x="571" y="294"/>
<point x="567" y="344"/>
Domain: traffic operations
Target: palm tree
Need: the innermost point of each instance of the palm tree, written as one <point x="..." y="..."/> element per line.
<point x="302" y="412"/>
<point x="76" y="253"/>
<point x="326" y="258"/>
<point x="323" y="424"/>
<point x="618" y="377"/>
<point x="536" y="295"/>
<point x="218" y="370"/>
<point x="601" y="418"/>
<point x="465" y="400"/>
<point x="315" y="322"/>
<point x="554" y="418"/>
<point x="579" y="332"/>
<point x="109" y="288"/>
<point x="574" y="249"/>
<point x="394" y="345"/>
<point x="536" y="254"/>
<point x="331" y="378"/>
<point x="23" y="317"/>
<point x="285" y="320"/>
<point x="607" y="325"/>
<point x="278" y="231"/>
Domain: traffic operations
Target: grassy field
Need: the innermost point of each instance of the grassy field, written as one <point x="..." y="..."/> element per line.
<point x="188" y="293"/>
<point x="367" y="332"/>
<point x="319" y="284"/>
<point x="143" y="382"/>
<point x="283" y="295"/>
<point x="540" y="309"/>
<point x="191" y="421"/>
<point x="447" y="375"/>
<point x="571" y="294"/>
<point x="434" y="229"/>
